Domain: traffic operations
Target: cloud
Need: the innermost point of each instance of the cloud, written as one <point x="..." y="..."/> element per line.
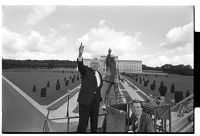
<point x="98" y="40"/>
<point x="12" y="42"/>
<point x="179" y="36"/>
<point x="66" y="26"/>
<point x="102" y="22"/>
<point x="38" y="13"/>
<point x="35" y="46"/>
<point x="159" y="60"/>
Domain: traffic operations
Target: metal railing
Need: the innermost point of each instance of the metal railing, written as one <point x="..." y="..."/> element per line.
<point x="47" y="127"/>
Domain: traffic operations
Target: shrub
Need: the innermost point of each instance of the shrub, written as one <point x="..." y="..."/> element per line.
<point x="161" y="83"/>
<point x="73" y="80"/>
<point x="187" y="93"/>
<point x="48" y="84"/>
<point x="43" y="92"/>
<point x="178" y="96"/>
<point x="63" y="71"/>
<point x="166" y="76"/>
<point x="145" y="83"/>
<point x="64" y="78"/>
<point x="154" y="82"/>
<point x="66" y="82"/>
<point x="172" y="89"/>
<point x="57" y="81"/>
<point x="58" y="86"/>
<point x="162" y="90"/>
<point x="34" y="88"/>
<point x="153" y="86"/>
<point x="156" y="75"/>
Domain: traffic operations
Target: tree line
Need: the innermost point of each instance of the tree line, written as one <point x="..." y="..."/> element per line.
<point x="11" y="64"/>
<point x="172" y="69"/>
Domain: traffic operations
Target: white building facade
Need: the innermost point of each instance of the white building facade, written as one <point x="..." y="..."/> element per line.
<point x="127" y="66"/>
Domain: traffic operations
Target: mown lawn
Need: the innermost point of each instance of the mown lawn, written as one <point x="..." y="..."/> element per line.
<point x="182" y="83"/>
<point x="26" y="80"/>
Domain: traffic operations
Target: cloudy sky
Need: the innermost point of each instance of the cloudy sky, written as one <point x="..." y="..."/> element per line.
<point x="156" y="35"/>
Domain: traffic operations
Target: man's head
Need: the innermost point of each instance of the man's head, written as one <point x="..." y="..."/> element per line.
<point x="137" y="108"/>
<point x="94" y="64"/>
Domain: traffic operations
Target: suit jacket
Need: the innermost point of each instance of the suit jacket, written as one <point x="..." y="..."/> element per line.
<point x="88" y="85"/>
<point x="146" y="124"/>
<point x="112" y="69"/>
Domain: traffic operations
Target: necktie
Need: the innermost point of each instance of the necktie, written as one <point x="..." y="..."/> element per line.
<point x="136" y="125"/>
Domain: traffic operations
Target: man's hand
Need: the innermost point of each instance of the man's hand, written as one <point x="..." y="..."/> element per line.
<point x="81" y="50"/>
<point x="109" y="50"/>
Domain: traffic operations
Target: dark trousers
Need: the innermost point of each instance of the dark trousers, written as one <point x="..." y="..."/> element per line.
<point x="85" y="112"/>
<point x="108" y="91"/>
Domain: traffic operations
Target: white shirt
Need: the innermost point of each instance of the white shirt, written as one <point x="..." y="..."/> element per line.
<point x="96" y="73"/>
<point x="97" y="78"/>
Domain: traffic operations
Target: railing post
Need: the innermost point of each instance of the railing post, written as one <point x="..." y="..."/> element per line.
<point x="68" y="112"/>
<point x="128" y="106"/>
<point x="170" y="121"/>
<point x="46" y="121"/>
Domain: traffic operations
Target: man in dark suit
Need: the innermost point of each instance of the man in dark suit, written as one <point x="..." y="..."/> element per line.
<point x="140" y="121"/>
<point x="89" y="97"/>
<point x="112" y="75"/>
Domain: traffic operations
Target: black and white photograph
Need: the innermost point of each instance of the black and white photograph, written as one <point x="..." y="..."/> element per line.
<point x="98" y="69"/>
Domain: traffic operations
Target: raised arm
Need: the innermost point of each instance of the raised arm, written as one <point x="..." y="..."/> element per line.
<point x="108" y="57"/>
<point x="81" y="66"/>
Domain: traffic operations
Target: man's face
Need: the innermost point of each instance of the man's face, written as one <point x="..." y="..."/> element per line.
<point x="94" y="64"/>
<point x="137" y="109"/>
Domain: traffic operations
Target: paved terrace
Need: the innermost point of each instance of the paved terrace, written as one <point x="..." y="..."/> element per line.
<point x="58" y="108"/>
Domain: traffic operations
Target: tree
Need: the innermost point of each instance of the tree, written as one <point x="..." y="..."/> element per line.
<point x="153" y="86"/>
<point x="136" y="79"/>
<point x="73" y="80"/>
<point x="187" y="93"/>
<point x="154" y="82"/>
<point x="161" y="84"/>
<point x="34" y="88"/>
<point x="172" y="89"/>
<point x="145" y="83"/>
<point x="58" y="86"/>
<point x="57" y="81"/>
<point x="162" y="89"/>
<point x="178" y="96"/>
<point x="77" y="78"/>
<point x="66" y="82"/>
<point x="43" y="92"/>
<point x="48" y="84"/>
